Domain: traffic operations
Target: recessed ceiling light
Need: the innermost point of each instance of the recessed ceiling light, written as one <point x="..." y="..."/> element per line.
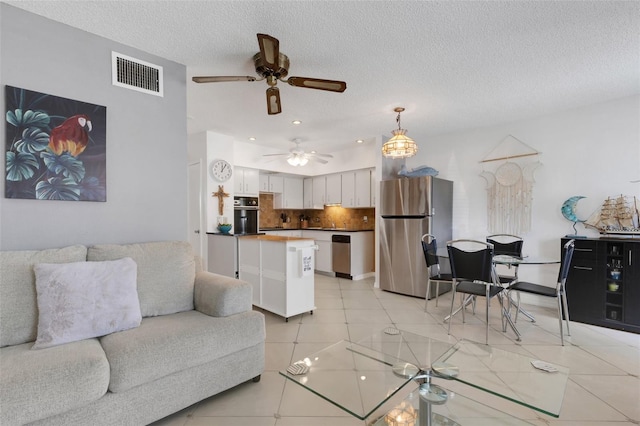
<point x="252" y="138"/>
<point x="296" y="122"/>
<point x="359" y="141"/>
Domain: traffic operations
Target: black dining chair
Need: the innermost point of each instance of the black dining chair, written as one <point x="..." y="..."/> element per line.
<point x="557" y="291"/>
<point x="473" y="274"/>
<point x="509" y="245"/>
<point x="430" y="248"/>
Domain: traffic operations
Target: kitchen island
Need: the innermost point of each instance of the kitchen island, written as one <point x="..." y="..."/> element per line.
<point x="280" y="269"/>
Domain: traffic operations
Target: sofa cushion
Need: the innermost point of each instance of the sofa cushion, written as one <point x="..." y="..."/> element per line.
<point x="166" y="273"/>
<point x="18" y="307"/>
<point x="80" y="300"/>
<point x="168" y="344"/>
<point x="38" y="384"/>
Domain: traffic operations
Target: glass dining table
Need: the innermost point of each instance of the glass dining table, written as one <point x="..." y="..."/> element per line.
<point x="375" y="378"/>
<point x="503" y="259"/>
<point x="506" y="260"/>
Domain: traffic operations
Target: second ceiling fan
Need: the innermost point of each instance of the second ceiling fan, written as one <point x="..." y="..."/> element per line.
<point x="299" y="157"/>
<point x="272" y="66"/>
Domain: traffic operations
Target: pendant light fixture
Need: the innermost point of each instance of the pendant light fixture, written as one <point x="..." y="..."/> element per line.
<point x="400" y="145"/>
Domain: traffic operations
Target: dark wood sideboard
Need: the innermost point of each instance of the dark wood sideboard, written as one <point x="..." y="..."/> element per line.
<point x="603" y="286"/>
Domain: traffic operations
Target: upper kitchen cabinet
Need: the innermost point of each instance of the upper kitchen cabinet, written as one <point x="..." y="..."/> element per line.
<point x="246" y="181"/>
<point x="291" y="196"/>
<point x="270" y="183"/>
<point x="348" y="195"/>
<point x="333" y="189"/>
<point x="307" y="193"/>
<point x="356" y="189"/>
<point x="319" y="189"/>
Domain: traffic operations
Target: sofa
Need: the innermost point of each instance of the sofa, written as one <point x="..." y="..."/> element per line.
<point x="188" y="334"/>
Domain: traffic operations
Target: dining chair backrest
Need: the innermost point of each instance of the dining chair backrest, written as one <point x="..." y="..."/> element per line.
<point x="471" y="260"/>
<point x="429" y="248"/>
<point x="507" y="244"/>
<point x="566" y="261"/>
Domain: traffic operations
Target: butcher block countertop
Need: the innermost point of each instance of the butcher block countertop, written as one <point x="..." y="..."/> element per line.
<point x="272" y="238"/>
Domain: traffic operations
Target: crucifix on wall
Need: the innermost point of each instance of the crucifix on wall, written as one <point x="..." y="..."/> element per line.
<point x="220" y="194"/>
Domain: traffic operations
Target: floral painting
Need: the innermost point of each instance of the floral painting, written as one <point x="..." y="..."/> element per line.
<point x="55" y="147"/>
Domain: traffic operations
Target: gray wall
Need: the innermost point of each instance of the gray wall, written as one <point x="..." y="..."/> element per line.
<point x="146" y="139"/>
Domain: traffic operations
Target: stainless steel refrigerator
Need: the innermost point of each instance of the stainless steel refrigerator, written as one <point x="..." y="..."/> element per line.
<point x="410" y="208"/>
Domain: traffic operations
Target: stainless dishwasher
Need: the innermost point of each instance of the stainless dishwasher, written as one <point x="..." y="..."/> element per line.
<point x="341" y="255"/>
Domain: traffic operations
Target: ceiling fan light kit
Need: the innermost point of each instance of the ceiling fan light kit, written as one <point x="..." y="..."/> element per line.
<point x="299" y="157"/>
<point x="297" y="160"/>
<point x="399" y="145"/>
<point x="272" y="66"/>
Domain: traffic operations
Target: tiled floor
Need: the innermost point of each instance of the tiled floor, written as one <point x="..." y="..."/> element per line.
<point x="603" y="387"/>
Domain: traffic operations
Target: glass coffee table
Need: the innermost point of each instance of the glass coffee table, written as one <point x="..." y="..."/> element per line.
<point x="367" y="377"/>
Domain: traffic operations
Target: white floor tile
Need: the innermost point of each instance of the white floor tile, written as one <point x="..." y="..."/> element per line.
<point x="603" y="388"/>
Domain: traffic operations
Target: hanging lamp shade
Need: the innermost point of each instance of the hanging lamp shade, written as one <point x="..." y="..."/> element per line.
<point x="400" y="145"/>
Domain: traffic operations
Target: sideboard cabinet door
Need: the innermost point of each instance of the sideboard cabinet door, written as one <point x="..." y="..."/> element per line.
<point x="584" y="294"/>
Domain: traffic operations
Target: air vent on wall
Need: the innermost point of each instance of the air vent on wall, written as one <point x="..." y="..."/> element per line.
<point x="135" y="74"/>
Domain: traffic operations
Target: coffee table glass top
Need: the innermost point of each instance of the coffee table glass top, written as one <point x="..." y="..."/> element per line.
<point x="516" y="377"/>
<point x="360" y="377"/>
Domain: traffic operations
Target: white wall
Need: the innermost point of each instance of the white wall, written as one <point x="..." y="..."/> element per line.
<point x="146" y="139"/>
<point x="207" y="147"/>
<point x="592" y="151"/>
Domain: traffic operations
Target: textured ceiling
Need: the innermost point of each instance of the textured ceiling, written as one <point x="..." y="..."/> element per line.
<point x="452" y="65"/>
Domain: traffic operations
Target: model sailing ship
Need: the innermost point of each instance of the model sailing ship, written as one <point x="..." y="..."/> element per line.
<point x="619" y="215"/>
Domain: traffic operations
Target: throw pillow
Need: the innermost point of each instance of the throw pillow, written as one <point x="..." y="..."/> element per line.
<point x="82" y="300"/>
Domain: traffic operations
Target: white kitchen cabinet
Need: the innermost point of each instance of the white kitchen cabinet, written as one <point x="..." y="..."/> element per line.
<point x="362" y="191"/>
<point x="334" y="189"/>
<point x="356" y="189"/>
<point x="264" y="183"/>
<point x="307" y="193"/>
<point x="348" y="189"/>
<point x="291" y="196"/>
<point x="323" y="255"/>
<point x="276" y="184"/>
<point x="246" y="182"/>
<point x="272" y="265"/>
<point x="319" y="192"/>
<point x="270" y="183"/>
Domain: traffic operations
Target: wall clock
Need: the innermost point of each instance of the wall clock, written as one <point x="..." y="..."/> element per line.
<point x="221" y="170"/>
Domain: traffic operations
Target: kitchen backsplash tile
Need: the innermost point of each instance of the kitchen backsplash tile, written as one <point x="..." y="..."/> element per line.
<point x="330" y="216"/>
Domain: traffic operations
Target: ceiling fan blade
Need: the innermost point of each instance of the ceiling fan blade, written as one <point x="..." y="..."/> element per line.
<point x="222" y="78"/>
<point x="273" y="101"/>
<point x="319" y="160"/>
<point x="275" y="155"/>
<point x="269" y="50"/>
<point x="317" y="83"/>
<point x="321" y="155"/>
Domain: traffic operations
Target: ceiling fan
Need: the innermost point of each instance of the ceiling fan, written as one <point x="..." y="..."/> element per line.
<point x="273" y="66"/>
<point x="298" y="157"/>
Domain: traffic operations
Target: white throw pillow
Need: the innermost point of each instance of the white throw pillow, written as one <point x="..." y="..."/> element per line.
<point x="82" y="300"/>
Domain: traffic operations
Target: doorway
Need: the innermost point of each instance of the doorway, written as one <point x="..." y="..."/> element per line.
<point x="195" y="228"/>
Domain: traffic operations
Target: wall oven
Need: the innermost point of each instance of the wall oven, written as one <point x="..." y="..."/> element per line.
<point x="245" y="215"/>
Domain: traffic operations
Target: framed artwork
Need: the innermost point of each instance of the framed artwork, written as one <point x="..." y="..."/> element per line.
<point x="55" y="147"/>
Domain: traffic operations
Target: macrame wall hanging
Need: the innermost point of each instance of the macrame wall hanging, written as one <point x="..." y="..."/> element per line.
<point x="508" y="170"/>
